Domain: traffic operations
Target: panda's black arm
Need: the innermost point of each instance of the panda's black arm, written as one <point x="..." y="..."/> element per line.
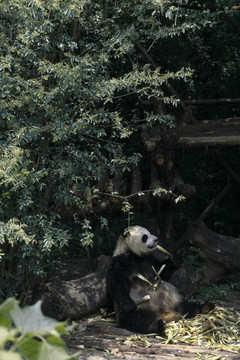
<point x="118" y="284"/>
<point x="171" y="265"/>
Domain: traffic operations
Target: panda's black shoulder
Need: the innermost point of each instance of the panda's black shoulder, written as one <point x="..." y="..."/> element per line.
<point x="124" y="260"/>
<point x="119" y="271"/>
<point x="125" y="265"/>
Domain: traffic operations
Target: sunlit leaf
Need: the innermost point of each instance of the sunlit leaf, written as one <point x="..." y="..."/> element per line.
<point x="30" y="319"/>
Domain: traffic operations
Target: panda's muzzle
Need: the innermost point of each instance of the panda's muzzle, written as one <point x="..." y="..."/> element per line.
<point x="154" y="244"/>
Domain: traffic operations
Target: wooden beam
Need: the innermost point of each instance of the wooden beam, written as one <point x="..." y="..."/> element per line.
<point x="212" y="101"/>
<point x="208" y="141"/>
<point x="215" y="127"/>
<point x="198" y="141"/>
<point x="215" y="201"/>
<point x="222" y="121"/>
<point x="229" y="169"/>
<point x="215" y="132"/>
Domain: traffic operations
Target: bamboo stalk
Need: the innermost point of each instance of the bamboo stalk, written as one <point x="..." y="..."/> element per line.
<point x="163" y="250"/>
<point x="142" y="299"/>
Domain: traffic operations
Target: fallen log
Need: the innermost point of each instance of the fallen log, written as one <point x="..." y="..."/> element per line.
<point x="64" y="299"/>
<point x="222" y="252"/>
<point x="74" y="298"/>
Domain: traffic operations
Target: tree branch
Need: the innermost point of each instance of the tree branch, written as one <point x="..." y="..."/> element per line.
<point x="215" y="201"/>
<point x="170" y="87"/>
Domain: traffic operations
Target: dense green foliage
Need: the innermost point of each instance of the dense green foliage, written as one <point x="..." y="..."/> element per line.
<point x="73" y="85"/>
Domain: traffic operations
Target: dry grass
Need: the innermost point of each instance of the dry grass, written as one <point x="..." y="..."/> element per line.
<point x="220" y="328"/>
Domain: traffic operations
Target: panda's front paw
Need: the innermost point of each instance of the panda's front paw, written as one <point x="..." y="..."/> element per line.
<point x="128" y="307"/>
<point x="161" y="328"/>
<point x="210" y="305"/>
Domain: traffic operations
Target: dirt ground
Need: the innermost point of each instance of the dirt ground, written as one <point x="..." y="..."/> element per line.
<point x="97" y="338"/>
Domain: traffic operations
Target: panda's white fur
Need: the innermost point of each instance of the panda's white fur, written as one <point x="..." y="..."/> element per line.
<point x="132" y="241"/>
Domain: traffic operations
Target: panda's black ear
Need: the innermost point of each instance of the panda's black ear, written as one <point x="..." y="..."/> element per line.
<point x="126" y="232"/>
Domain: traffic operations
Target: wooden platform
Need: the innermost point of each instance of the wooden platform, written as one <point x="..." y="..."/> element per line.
<point x="221" y="132"/>
<point x="215" y="133"/>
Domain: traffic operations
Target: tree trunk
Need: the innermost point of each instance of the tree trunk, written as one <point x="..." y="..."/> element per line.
<point x="222" y="252"/>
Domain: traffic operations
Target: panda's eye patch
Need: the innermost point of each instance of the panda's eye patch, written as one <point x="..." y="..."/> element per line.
<point x="144" y="238"/>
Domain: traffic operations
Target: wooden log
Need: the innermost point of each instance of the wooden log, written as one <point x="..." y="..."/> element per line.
<point x="212" y="141"/>
<point x="185" y="119"/>
<point x="136" y="185"/>
<point x="213" y="124"/>
<point x="117" y="188"/>
<point x="185" y="189"/>
<point x="64" y="299"/>
<point x="155" y="181"/>
<point x="145" y="133"/>
<point x="158" y="106"/>
<point x="150" y="145"/>
<point x="204" y="214"/>
<point x="222" y="252"/>
<point x="229" y="169"/>
<point x="215" y="132"/>
<point x="74" y="298"/>
<point x="186" y="279"/>
<point x="159" y="159"/>
<point x="215" y="201"/>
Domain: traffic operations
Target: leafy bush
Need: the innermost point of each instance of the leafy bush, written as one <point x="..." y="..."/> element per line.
<point x="218" y="291"/>
<point x="68" y="90"/>
<point x="25" y="333"/>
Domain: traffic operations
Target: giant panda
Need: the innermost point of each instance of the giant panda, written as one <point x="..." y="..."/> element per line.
<point x="133" y="274"/>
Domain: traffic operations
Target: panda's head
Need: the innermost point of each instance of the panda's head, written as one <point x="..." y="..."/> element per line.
<point x="136" y="239"/>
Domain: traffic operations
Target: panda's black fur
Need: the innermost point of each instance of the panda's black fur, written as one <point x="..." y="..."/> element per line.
<point x="136" y="253"/>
